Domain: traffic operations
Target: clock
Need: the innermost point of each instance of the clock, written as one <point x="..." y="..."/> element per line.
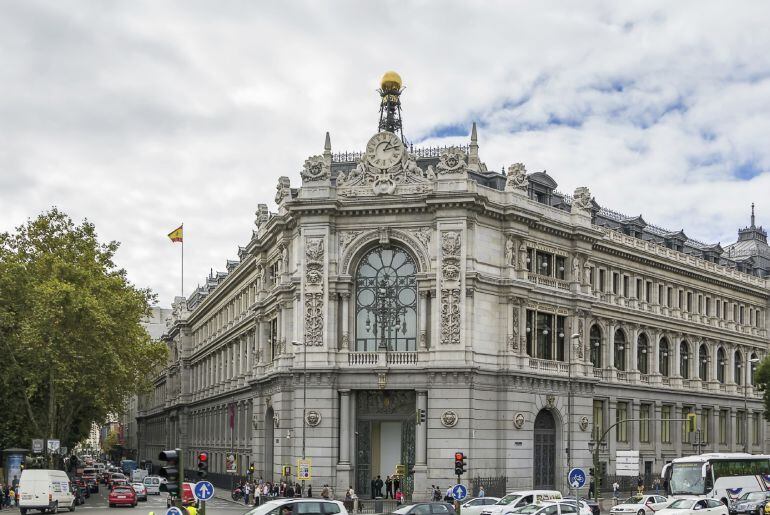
<point x="384" y="150"/>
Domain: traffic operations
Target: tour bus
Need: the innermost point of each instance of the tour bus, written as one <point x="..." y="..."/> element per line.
<point x="722" y="476"/>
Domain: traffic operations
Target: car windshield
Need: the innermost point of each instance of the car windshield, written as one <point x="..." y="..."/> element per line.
<point x="753" y="496"/>
<point x="508" y="499"/>
<point x="681" y="504"/>
<point x="404" y="509"/>
<point x="634" y="499"/>
<point x="265" y="508"/>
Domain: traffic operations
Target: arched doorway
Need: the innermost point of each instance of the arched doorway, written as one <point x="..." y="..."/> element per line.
<point x="544" y="462"/>
<point x="269" y="434"/>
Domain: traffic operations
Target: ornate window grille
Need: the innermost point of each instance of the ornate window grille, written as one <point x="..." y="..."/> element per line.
<point x="386" y="301"/>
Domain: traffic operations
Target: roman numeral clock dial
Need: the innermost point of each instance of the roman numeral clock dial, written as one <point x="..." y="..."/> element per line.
<point x="384" y="150"/>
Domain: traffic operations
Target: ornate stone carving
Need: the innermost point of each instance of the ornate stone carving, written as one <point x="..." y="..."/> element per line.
<point x="261" y="215"/>
<point x="313" y="418"/>
<point x="422" y="235"/>
<point x="517" y="181"/>
<point x="254" y="420"/>
<point x="515" y="327"/>
<point x="587" y="266"/>
<point x="314" y="291"/>
<point x="449" y="418"/>
<point x="581" y="199"/>
<point x="584" y="423"/>
<point x="451" y="161"/>
<point x="518" y="420"/>
<point x="276" y="420"/>
<point x="510" y="251"/>
<point x="315" y="169"/>
<point x="575" y="270"/>
<point x="365" y="180"/>
<point x="283" y="189"/>
<point x="450" y="315"/>
<point x="345" y="237"/>
<point x="513" y="342"/>
<point x="260" y="276"/>
<point x="550" y="400"/>
<point x="284" y="258"/>
<point x="345" y="340"/>
<point x="523" y="256"/>
<point x="580" y="343"/>
<point x="450" y="244"/>
<point x="407" y="237"/>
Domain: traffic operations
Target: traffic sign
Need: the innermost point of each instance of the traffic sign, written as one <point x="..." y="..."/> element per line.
<point x="203" y="490"/>
<point x="174" y="511"/>
<point x="53" y="446"/>
<point x="459" y="492"/>
<point x="38" y="444"/>
<point x="304" y="468"/>
<point x="577" y="478"/>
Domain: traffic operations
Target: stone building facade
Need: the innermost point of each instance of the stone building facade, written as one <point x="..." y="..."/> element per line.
<point x="398" y="279"/>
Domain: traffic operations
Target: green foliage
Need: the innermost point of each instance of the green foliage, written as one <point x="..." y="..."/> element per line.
<point x="762" y="381"/>
<point x="72" y="346"/>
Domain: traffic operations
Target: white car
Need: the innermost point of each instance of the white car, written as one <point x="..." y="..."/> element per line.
<point x="548" y="508"/>
<point x="299" y="505"/>
<point x="640" y="505"/>
<point x="475" y="505"/>
<point x="694" y="507"/>
<point x="583" y="508"/>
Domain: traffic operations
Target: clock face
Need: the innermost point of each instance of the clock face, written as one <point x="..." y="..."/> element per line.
<point x="384" y="150"/>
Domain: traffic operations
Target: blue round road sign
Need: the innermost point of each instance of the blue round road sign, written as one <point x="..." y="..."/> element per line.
<point x="577" y="478"/>
<point x="174" y="511"/>
<point x="459" y="492"/>
<point x="203" y="491"/>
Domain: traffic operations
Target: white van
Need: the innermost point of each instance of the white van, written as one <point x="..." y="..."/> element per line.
<point x="45" y="490"/>
<point x="152" y="484"/>
<point x="520" y="498"/>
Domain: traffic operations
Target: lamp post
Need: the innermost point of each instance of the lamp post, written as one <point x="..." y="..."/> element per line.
<point x="746" y="405"/>
<point x="304" y="391"/>
<point x="574" y="338"/>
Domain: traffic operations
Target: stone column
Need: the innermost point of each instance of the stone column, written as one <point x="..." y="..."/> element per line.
<point x="344" y="467"/>
<point x="344" y="329"/>
<point x="421" y="446"/>
<point x="263" y="337"/>
<point x="423" y="342"/>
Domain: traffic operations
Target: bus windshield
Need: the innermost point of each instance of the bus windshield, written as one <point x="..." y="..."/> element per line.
<point x="687" y="479"/>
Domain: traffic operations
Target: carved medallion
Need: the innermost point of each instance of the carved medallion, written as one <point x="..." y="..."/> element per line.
<point x="315" y="169"/>
<point x="583" y="423"/>
<point x="550" y="400"/>
<point x="451" y="161"/>
<point x="518" y="420"/>
<point x="449" y="418"/>
<point x="313" y="418"/>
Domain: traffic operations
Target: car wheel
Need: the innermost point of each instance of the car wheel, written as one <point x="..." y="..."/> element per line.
<point x="23" y="511"/>
<point x="72" y="508"/>
<point x="640" y="512"/>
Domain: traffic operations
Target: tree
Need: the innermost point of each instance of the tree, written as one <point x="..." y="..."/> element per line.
<point x="762" y="382"/>
<point x="73" y="349"/>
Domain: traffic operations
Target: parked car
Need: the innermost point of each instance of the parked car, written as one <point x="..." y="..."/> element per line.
<point x="749" y="503"/>
<point x="44" y="490"/>
<point x="426" y="508"/>
<point x="519" y="499"/>
<point x="694" y="507"/>
<point x="299" y="505"/>
<point x="475" y="505"/>
<point x="640" y="504"/>
<point x="141" y="491"/>
<point x="549" y="508"/>
<point x="592" y="505"/>
<point x="122" y="495"/>
<point x="93" y="485"/>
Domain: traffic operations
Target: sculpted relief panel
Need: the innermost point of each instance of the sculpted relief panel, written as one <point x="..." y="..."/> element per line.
<point x="451" y="284"/>
<point x="314" y="290"/>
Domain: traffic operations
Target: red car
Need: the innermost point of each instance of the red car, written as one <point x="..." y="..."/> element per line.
<point x="124" y="495"/>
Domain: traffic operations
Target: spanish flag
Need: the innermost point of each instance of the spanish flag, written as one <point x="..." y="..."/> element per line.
<point x="176" y="234"/>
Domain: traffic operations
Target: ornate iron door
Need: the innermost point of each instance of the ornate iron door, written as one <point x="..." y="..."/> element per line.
<point x="544" y="451"/>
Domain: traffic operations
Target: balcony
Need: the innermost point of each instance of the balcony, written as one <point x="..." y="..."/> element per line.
<point x="547" y="365"/>
<point x="381" y="359"/>
<point x="550" y="282"/>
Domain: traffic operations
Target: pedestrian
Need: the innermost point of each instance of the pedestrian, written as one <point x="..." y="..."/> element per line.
<point x="481" y="491"/>
<point x="325" y="492"/>
<point x="436" y="493"/>
<point x="388" y="488"/>
<point x="348" y="499"/>
<point x="399" y="497"/>
<point x="448" y="496"/>
<point x="310" y="490"/>
<point x="656" y="484"/>
<point x="615" y="488"/>
<point x="246" y="493"/>
<point x="192" y="510"/>
<point x="378" y="484"/>
<point x="289" y="491"/>
<point x="591" y="487"/>
<point x="640" y="485"/>
<point x="374" y="488"/>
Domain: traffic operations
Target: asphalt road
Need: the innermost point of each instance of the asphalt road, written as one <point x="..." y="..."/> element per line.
<point x="97" y="505"/>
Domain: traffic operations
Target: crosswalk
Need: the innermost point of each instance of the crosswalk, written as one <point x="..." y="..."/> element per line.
<point x="156" y="504"/>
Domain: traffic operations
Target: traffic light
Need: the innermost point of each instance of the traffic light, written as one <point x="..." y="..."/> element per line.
<point x="251" y="468"/>
<point x="420" y="416"/>
<point x="171" y="470"/>
<point x="203" y="464"/>
<point x="691" y="422"/>
<point x="460" y="464"/>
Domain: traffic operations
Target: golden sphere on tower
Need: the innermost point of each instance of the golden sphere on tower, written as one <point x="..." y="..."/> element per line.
<point x="391" y="81"/>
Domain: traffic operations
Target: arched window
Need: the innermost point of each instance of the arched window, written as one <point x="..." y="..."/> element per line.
<point x="684" y="359"/>
<point x="721" y="362"/>
<point x="620" y="350"/>
<point x="738" y="367"/>
<point x="386" y="301"/>
<point x="596" y="345"/>
<point x="663" y="357"/>
<point x="642" y="352"/>
<point x="753" y="364"/>
<point x="703" y="363"/>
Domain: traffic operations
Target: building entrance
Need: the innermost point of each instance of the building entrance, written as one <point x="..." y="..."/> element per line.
<point x="385" y="433"/>
<point x="544" y="465"/>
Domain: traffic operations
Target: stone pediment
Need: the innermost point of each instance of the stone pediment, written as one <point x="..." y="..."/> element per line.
<point x="543" y="179"/>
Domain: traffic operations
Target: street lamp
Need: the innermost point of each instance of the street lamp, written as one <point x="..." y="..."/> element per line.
<point x="746" y="406"/>
<point x="304" y="391"/>
<point x="574" y="338"/>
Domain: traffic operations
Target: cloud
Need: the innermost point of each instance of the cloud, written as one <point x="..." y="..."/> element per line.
<point x="142" y="115"/>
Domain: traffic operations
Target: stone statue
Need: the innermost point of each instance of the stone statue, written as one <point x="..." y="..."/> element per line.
<point x="523" y="256"/>
<point x="510" y="259"/>
<point x="576" y="269"/>
<point x="582" y="199"/>
<point x="517" y="178"/>
<point x="285" y="258"/>
<point x="587" y="272"/>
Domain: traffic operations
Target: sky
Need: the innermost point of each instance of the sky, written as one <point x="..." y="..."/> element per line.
<point x="142" y="115"/>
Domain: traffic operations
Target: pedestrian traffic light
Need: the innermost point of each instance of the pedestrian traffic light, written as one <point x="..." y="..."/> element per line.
<point x="420" y="416"/>
<point x="171" y="470"/>
<point x="691" y="422"/>
<point x="460" y="464"/>
<point x="203" y="464"/>
<point x="251" y="468"/>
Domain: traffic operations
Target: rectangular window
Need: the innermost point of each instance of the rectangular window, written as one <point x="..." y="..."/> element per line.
<point x="561" y="321"/>
<point x="740" y="316"/>
<point x="661" y="295"/>
<point x="669" y="296"/>
<point x="639" y="290"/>
<point x="273" y="338"/>
<point x="530" y="259"/>
<point x="665" y="424"/>
<point x="560" y="269"/>
<point x="602" y="280"/>
<point x="685" y="430"/>
<point x="755" y="428"/>
<point x="708" y="306"/>
<point x="680" y="303"/>
<point x="530" y="330"/>
<point x="704" y="425"/>
<point x="615" y="281"/>
<point x="648" y="293"/>
<point x="719" y="308"/>
<point x="723" y="427"/>
<point x="740" y="433"/>
<point x="598" y="420"/>
<point x="544" y="263"/>
<point x="689" y="302"/>
<point x="544" y="334"/>
<point x="644" y="423"/>
<point x="625" y="286"/>
<point x="621" y="414"/>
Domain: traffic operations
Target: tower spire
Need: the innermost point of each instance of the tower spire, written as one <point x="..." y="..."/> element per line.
<point x="752" y="214"/>
<point x="473" y="150"/>
<point x="390" y="104"/>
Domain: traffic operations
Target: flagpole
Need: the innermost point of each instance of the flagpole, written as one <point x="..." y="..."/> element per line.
<point x="182" y="260"/>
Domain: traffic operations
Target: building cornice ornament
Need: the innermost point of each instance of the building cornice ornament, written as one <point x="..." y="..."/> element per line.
<point x="405" y="177"/>
<point x="314" y="290"/>
<point x="516" y="180"/>
<point x="449" y="418"/>
<point x="451" y="162"/>
<point x="518" y="420"/>
<point x="315" y="169"/>
<point x="313" y="418"/>
<point x="283" y="189"/>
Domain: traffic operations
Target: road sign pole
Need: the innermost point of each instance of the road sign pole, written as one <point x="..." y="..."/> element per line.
<point x="202" y="511"/>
